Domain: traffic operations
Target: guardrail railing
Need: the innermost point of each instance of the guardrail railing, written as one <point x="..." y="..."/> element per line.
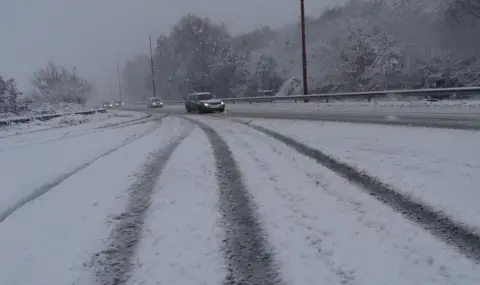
<point x="436" y="92"/>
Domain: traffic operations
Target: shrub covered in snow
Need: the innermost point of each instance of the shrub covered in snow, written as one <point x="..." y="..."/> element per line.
<point x="57" y="84"/>
<point x="9" y="96"/>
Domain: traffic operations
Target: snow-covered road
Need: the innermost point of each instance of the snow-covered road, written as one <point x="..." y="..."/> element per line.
<point x="205" y="200"/>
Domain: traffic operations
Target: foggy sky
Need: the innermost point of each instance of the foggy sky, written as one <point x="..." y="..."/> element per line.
<point x="96" y="34"/>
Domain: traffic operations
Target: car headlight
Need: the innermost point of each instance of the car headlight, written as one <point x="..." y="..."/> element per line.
<point x="205" y="104"/>
<point x="223" y="103"/>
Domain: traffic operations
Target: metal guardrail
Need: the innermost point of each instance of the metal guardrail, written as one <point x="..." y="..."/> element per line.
<point x="7" y="121"/>
<point x="437" y="92"/>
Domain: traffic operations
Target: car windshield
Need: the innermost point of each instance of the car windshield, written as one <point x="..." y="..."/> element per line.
<point x="206" y="96"/>
<point x="155" y="100"/>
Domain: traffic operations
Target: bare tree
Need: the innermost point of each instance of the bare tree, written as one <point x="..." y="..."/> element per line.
<point x="57" y="84"/>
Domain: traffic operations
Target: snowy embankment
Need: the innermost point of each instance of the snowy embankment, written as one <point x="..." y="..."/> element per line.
<point x="438" y="167"/>
<point x="46" y="112"/>
<point x="69" y="120"/>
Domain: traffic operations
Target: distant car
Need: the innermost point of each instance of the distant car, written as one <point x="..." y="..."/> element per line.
<point x="119" y="104"/>
<point x="108" y="105"/>
<point x="155" y="103"/>
<point x="204" y="102"/>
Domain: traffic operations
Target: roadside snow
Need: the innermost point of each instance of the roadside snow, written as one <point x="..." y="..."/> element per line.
<point x="67" y="120"/>
<point x="473" y="105"/>
<point x="437" y="166"/>
<point x="27" y="165"/>
<point x="94" y="120"/>
<point x="326" y="231"/>
<point x="50" y="240"/>
<point x="182" y="237"/>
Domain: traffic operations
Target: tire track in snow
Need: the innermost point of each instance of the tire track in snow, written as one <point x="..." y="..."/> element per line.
<point x="42" y="190"/>
<point x="113" y="265"/>
<point x="249" y="256"/>
<point x="437" y="223"/>
<point x="328" y="259"/>
<point x="127" y="123"/>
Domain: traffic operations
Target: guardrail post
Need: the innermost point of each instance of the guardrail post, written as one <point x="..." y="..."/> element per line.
<point x="305" y="100"/>
<point x="250" y="102"/>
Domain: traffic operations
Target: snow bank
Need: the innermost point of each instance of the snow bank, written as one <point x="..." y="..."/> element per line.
<point x="66" y="120"/>
<point x="62" y="108"/>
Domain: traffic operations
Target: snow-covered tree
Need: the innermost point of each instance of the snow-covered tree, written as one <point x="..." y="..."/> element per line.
<point x="8" y="95"/>
<point x="56" y="84"/>
<point x="361" y="45"/>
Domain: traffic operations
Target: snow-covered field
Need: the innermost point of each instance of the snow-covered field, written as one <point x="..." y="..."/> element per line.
<point x="439" y="167"/>
<point x="320" y="228"/>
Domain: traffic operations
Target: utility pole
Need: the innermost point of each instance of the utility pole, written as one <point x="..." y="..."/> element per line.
<point x="304" y="47"/>
<point x="151" y="63"/>
<point x="119" y="83"/>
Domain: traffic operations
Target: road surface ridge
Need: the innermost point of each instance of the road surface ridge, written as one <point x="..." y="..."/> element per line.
<point x="42" y="190"/>
<point x="464" y="239"/>
<point x="113" y="265"/>
<point x="248" y="254"/>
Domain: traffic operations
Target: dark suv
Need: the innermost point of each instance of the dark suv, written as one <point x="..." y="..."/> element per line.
<point x="204" y="102"/>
